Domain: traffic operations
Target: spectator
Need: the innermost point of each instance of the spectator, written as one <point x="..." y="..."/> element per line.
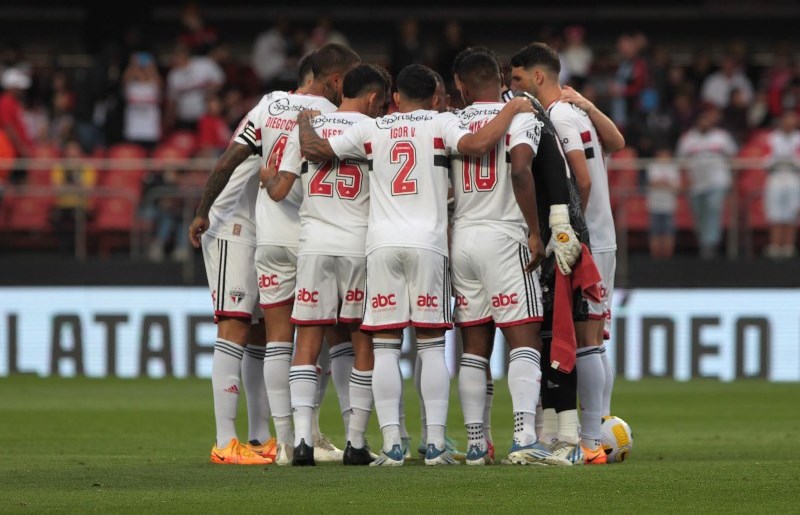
<point x="406" y="47"/>
<point x="142" y="89"/>
<point x="196" y="36"/>
<point x="14" y="138"/>
<point x="717" y="88"/>
<point x="11" y="56"/>
<point x="735" y="117"/>
<point x="73" y="181"/>
<point x="62" y="120"/>
<point x="189" y="80"/>
<point x="270" y="53"/>
<point x="782" y="191"/>
<point x="631" y="78"/>
<point x="576" y="57"/>
<point x="707" y="149"/>
<point x="663" y="183"/>
<point x="213" y="133"/>
<point x="166" y="215"/>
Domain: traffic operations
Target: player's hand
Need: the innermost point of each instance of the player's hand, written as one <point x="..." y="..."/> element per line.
<point x="519" y="105"/>
<point x="308" y="114"/>
<point x="568" y="94"/>
<point x="269" y="171"/>
<point x="563" y="241"/>
<point x="196" y="229"/>
<point x="537" y="252"/>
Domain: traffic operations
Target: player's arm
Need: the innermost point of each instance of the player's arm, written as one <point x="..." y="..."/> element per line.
<point x="525" y="194"/>
<point x="278" y="176"/>
<point x="314" y="148"/>
<point x="479" y="143"/>
<point x="235" y="154"/>
<point x="611" y="138"/>
<point x="580" y="168"/>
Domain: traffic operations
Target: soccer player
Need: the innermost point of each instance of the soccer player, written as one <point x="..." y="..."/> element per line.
<point x="496" y="282"/>
<point x="225" y="220"/>
<point x="331" y="262"/>
<point x="407" y="264"/>
<point x="585" y="134"/>
<point x="265" y="133"/>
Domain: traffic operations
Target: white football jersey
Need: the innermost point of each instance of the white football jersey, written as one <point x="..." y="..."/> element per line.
<point x="576" y="132"/>
<point x="335" y="208"/>
<point x="232" y="215"/>
<point x="266" y="132"/>
<point x="408" y="156"/>
<point x="707" y="156"/>
<point x="482" y="187"/>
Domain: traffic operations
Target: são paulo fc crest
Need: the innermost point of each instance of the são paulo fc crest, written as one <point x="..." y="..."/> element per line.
<point x="236" y="295"/>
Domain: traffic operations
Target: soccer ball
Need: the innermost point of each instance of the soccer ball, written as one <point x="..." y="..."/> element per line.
<point x="617" y="439"/>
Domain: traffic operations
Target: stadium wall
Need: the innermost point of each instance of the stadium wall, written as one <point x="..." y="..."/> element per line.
<point x="683" y="334"/>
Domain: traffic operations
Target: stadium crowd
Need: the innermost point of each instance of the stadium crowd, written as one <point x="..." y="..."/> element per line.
<point x="187" y="103"/>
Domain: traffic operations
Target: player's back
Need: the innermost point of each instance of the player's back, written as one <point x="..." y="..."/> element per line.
<point x="269" y="125"/>
<point x="408" y="179"/>
<point x="577" y="132"/>
<point x="482" y="188"/>
<point x="333" y="215"/>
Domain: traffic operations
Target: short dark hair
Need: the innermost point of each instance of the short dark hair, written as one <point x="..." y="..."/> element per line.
<point x="333" y="58"/>
<point x="537" y="54"/>
<point x="363" y="78"/>
<point x="470" y="50"/>
<point x="478" y="68"/>
<point x="304" y="68"/>
<point x="416" y="82"/>
<point x="439" y="78"/>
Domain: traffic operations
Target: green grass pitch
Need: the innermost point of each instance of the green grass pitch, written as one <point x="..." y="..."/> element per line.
<point x="142" y="446"/>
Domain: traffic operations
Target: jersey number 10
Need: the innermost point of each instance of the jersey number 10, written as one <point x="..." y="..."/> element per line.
<point x="485" y="177"/>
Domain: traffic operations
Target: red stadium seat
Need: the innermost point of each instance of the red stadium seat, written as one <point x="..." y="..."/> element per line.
<point x="186" y="141"/>
<point x="27" y="214"/>
<point x="40" y="174"/>
<point x="114" y="220"/>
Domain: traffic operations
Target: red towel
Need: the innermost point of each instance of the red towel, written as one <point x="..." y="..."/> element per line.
<point x="586" y="278"/>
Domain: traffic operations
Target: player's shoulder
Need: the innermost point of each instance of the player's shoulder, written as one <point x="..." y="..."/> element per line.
<point x="420" y="116"/>
<point x="339" y="119"/>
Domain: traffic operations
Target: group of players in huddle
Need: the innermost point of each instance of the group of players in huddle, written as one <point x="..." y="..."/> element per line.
<point x="394" y="220"/>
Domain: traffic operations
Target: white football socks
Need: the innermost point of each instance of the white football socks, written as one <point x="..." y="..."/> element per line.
<point x="608" y="386"/>
<point x="361" y="406"/>
<point x="549" y="425"/>
<point x="342" y="358"/>
<point x="567" y="423"/>
<point x="524" y="383"/>
<point x="418" y="388"/>
<point x="303" y="387"/>
<point x="591" y="381"/>
<point x="435" y="386"/>
<point x="226" y="366"/>
<point x="472" y="392"/>
<point x="487" y="410"/>
<point x="256" y="393"/>
<point x="387" y="386"/>
<point x="277" y="359"/>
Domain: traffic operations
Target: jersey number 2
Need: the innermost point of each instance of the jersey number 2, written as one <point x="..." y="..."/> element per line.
<point x="403" y="152"/>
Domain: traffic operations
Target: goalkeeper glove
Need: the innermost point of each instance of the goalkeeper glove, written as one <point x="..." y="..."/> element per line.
<point x="563" y="241"/>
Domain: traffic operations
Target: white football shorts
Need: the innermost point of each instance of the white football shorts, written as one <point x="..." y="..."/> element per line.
<point x="231" y="274"/>
<point x="407" y="286"/>
<point x="325" y="281"/>
<point x="276" y="268"/>
<point x="607" y="266"/>
<point x="490" y="281"/>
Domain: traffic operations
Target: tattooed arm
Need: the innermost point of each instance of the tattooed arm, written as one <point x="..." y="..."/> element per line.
<point x="226" y="164"/>
<point x="314" y="148"/>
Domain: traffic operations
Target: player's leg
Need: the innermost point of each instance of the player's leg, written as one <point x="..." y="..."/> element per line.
<point x="342" y="357"/>
<point x="423" y="418"/>
<point x="386" y="313"/>
<point x="260" y="439"/>
<point x="591" y="382"/>
<point x="430" y="294"/>
<point x="472" y="389"/>
<point x="314" y="311"/>
<point x="473" y="316"/>
<point x="351" y="275"/>
<point x="276" y="268"/>
<point x="233" y="328"/>
<point x="607" y="264"/>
